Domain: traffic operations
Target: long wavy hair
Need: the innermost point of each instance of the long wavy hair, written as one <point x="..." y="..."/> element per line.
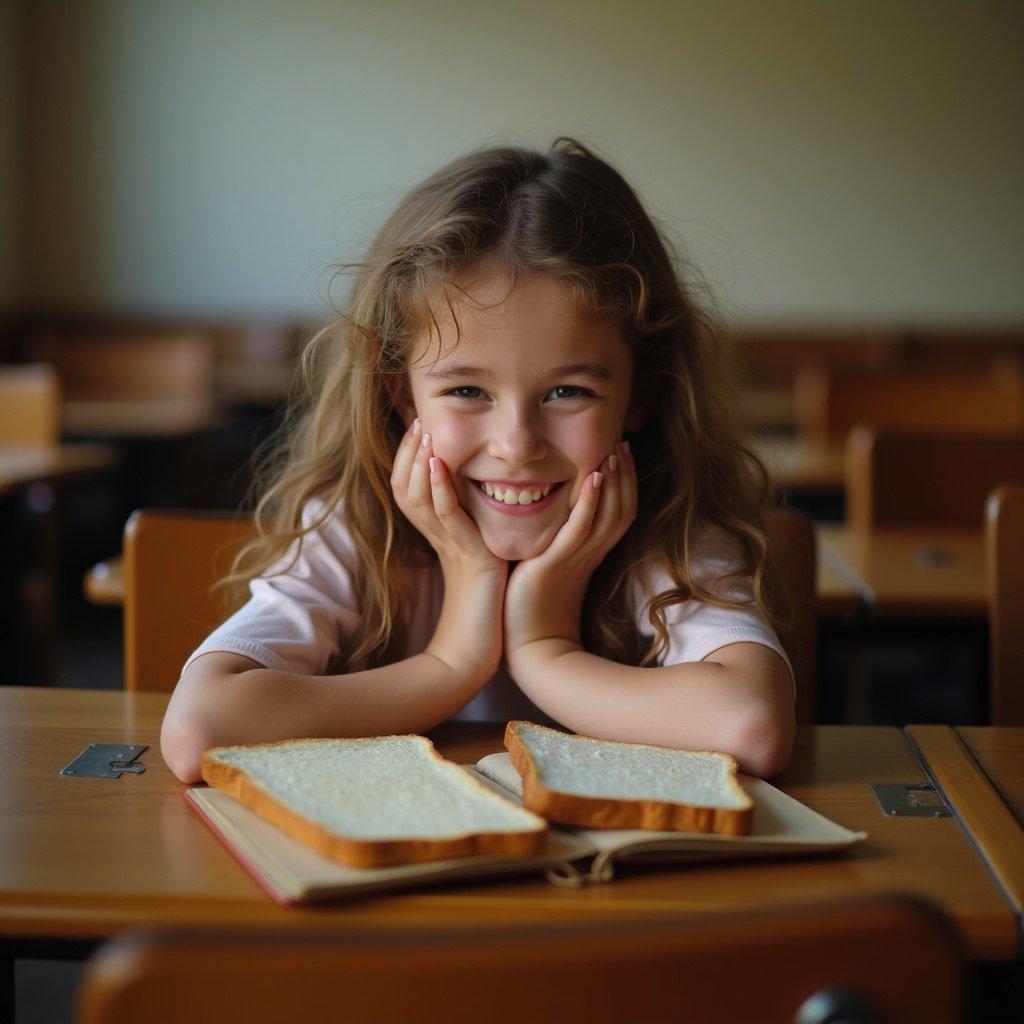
<point x="565" y="213"/>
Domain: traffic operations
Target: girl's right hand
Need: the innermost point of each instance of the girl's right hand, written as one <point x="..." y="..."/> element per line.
<point x="428" y="500"/>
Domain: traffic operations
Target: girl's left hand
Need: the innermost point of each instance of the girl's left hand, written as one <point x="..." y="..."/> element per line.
<point x="544" y="596"/>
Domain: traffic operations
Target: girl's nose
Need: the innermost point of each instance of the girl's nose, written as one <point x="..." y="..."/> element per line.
<point x="517" y="440"/>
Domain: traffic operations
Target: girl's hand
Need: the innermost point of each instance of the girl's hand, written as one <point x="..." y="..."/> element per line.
<point x="424" y="493"/>
<point x="544" y="597"/>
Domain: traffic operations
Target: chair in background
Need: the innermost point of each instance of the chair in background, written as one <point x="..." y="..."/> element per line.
<point x="829" y="405"/>
<point x="1004" y="572"/>
<point x="130" y="365"/>
<point x="859" y="962"/>
<point x="29" y="405"/>
<point x="171" y="561"/>
<point x="914" y="479"/>
<point x="794" y="558"/>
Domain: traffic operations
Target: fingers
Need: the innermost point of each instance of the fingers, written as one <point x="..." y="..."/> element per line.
<point x="404" y="457"/>
<point x="446" y="504"/>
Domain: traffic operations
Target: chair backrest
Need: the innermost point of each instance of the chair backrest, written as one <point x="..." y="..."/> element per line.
<point x="896" y="479"/>
<point x="866" y="958"/>
<point x="122" y="365"/>
<point x="171" y="560"/>
<point x="1004" y="571"/>
<point x="794" y="558"/>
<point x="828" y="405"/>
<point x="29" y="405"/>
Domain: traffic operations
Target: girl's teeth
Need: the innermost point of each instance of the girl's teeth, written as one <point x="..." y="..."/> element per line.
<point x="510" y="497"/>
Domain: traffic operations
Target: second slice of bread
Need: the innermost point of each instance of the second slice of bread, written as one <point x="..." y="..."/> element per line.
<point x="374" y="801"/>
<point x="580" y="780"/>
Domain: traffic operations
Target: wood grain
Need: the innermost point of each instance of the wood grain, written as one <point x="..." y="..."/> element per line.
<point x="1000" y="752"/>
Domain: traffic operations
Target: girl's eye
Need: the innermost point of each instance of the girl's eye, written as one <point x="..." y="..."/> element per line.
<point x="459" y="392"/>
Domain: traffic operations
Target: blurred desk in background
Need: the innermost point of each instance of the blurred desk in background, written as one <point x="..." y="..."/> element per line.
<point x="909" y="571"/>
<point x="139" y="419"/>
<point x="22" y="466"/>
<point x="796" y="464"/>
<point x="30" y="478"/>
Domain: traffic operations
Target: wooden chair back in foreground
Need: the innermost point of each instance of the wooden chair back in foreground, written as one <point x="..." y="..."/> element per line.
<point x="171" y="561"/>
<point x="794" y="562"/>
<point x="147" y="365"/>
<point x="925" y="480"/>
<point x="29" y="405"/>
<point x="829" y="405"/>
<point x="1004" y="571"/>
<point x="860" y="962"/>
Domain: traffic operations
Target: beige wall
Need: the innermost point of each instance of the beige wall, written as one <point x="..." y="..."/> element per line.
<point x="821" y="161"/>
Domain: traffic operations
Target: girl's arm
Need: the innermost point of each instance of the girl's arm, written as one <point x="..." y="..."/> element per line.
<point x="739" y="699"/>
<point x="225" y="699"/>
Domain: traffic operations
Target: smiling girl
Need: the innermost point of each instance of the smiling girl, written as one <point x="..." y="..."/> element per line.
<point x="513" y="492"/>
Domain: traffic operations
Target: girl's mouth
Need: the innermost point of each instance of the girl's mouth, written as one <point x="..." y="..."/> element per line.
<point x="515" y="508"/>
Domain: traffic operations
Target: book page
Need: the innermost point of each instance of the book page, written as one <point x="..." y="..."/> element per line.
<point x="780" y="823"/>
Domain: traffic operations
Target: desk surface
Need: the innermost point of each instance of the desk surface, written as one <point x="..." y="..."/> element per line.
<point x="1000" y="752"/>
<point x="910" y="571"/>
<point x="86" y="858"/>
<point x="798" y="464"/>
<point x="24" y="465"/>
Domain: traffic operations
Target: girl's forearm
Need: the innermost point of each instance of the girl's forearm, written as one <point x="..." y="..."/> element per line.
<point x="691" y="706"/>
<point x="265" y="705"/>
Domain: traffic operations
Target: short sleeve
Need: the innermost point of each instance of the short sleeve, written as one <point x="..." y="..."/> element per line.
<point x="297" y="614"/>
<point x="696" y="628"/>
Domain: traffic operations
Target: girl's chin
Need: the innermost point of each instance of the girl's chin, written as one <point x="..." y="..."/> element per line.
<point x="515" y="549"/>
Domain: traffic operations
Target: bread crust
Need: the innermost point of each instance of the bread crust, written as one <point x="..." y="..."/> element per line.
<point x="614" y="812"/>
<point x="365" y="853"/>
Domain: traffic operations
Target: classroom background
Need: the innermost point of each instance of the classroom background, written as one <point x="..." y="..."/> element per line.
<point x="843" y="182"/>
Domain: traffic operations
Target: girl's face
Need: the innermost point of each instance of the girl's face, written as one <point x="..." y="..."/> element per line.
<point x="531" y="398"/>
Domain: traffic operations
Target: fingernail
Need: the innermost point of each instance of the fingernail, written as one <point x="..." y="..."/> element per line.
<point x="426" y="441"/>
<point x="598" y="477"/>
<point x="613" y="462"/>
<point x="433" y="465"/>
<point x="416" y="427"/>
<point x="625" y="447"/>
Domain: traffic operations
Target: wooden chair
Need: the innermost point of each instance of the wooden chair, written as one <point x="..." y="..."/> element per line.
<point x="829" y="405"/>
<point x="29" y="405"/>
<point x="896" y="479"/>
<point x="794" y="599"/>
<point x="171" y="560"/>
<point x="859" y="962"/>
<point x="1004" y="570"/>
<point x="122" y="365"/>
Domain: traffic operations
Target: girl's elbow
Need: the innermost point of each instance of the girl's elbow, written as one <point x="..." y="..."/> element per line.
<point x="764" y="744"/>
<point x="182" y="751"/>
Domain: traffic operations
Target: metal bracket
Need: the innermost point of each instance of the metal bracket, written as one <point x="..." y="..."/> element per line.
<point x="910" y="800"/>
<point x="106" y="761"/>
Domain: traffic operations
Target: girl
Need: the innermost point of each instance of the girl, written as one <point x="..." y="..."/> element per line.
<point x="515" y="493"/>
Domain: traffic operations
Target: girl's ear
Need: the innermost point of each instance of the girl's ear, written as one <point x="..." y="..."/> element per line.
<point x="401" y="401"/>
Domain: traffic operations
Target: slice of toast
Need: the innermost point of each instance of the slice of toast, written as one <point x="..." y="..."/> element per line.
<point x="374" y="801"/>
<point x="580" y="780"/>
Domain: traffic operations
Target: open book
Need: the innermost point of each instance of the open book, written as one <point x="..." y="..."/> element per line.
<point x="293" y="873"/>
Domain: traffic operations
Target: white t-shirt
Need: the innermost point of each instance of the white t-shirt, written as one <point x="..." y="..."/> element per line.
<point x="296" y="621"/>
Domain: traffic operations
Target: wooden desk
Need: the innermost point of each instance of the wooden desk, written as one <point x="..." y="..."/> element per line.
<point x="144" y="419"/>
<point x="86" y="859"/>
<point x="909" y="571"/>
<point x="796" y="464"/>
<point x="24" y="465"/>
<point x="973" y="799"/>
<point x="1000" y="752"/>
